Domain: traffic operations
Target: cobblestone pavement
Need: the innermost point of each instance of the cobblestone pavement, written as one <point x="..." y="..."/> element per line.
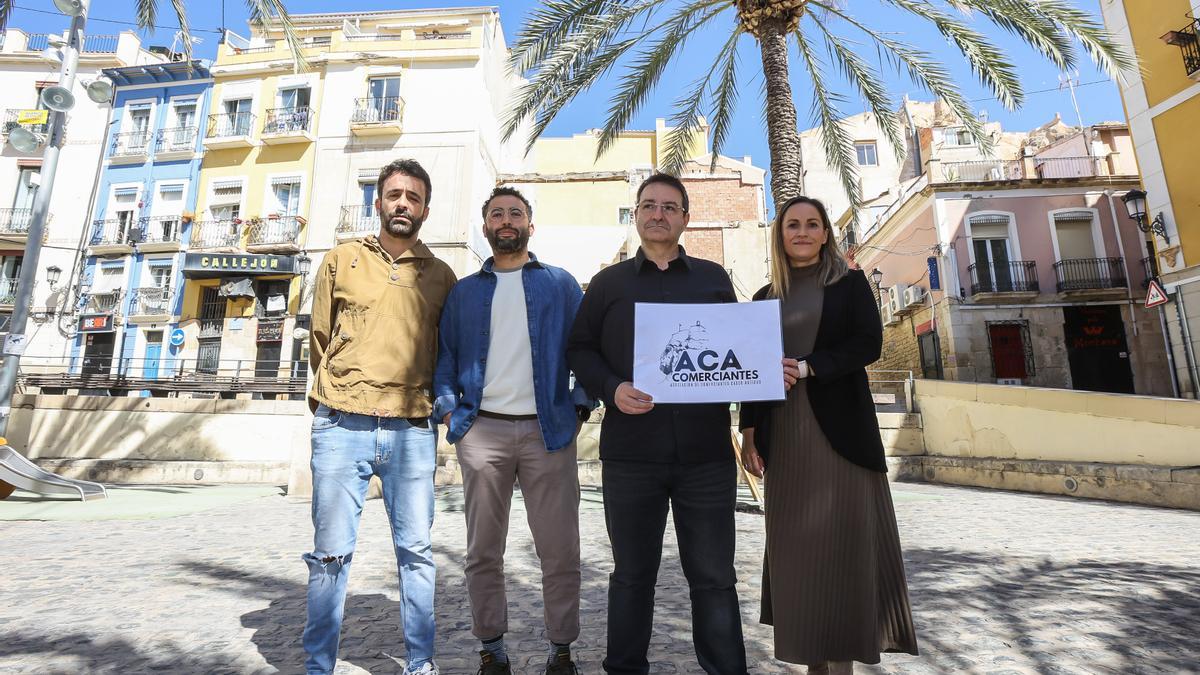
<point x="1000" y="583"/>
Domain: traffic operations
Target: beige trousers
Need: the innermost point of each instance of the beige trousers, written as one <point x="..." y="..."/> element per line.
<point x="494" y="455"/>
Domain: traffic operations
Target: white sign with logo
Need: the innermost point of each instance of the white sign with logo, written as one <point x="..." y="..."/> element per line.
<point x="708" y="353"/>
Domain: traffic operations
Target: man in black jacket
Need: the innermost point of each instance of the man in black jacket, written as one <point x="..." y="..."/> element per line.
<point x="657" y="457"/>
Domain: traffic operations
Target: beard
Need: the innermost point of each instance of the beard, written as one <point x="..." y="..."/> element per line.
<point x="517" y="243"/>
<point x="396" y="227"/>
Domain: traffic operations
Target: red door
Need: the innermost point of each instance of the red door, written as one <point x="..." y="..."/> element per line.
<point x="1008" y="351"/>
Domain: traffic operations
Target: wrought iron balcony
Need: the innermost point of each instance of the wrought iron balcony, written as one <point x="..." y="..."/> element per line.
<point x="214" y="234"/>
<point x="151" y="301"/>
<point x="281" y="232"/>
<point x="92" y="44"/>
<point x="357" y="221"/>
<point x="159" y="230"/>
<point x="296" y="121"/>
<point x="1089" y="274"/>
<point x="8" y="291"/>
<point x="10" y="122"/>
<point x="102" y="302"/>
<point x="982" y="171"/>
<point x="229" y="130"/>
<point x="377" y="115"/>
<point x="176" y="139"/>
<point x="1188" y="41"/>
<point x="1017" y="276"/>
<point x="1066" y="167"/>
<point x="1149" y="270"/>
<point x="131" y="144"/>
<point x="113" y="232"/>
<point x="15" y="221"/>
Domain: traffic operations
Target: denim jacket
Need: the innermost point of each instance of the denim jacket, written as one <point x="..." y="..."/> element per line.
<point x="551" y="298"/>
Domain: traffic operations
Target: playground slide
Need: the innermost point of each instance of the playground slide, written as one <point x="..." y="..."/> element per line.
<point x="25" y="475"/>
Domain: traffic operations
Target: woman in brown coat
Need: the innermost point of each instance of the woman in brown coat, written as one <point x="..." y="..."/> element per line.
<point x="833" y="574"/>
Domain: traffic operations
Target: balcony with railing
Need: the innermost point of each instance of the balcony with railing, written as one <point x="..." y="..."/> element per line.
<point x="175" y="143"/>
<point x="160" y="233"/>
<point x="1149" y="270"/>
<point x="1068" y="167"/>
<point x="15" y="222"/>
<point x="1016" y="279"/>
<point x="980" y="171"/>
<point x="102" y="302"/>
<point x="381" y="116"/>
<point x="288" y="125"/>
<point x="357" y="221"/>
<point x="217" y="235"/>
<point x="131" y="147"/>
<point x="275" y="235"/>
<point x="92" y="44"/>
<point x="229" y="130"/>
<point x="150" y="304"/>
<point x="112" y="236"/>
<point x="8" y="292"/>
<point x="1188" y="41"/>
<point x="11" y="117"/>
<point x="1090" y="276"/>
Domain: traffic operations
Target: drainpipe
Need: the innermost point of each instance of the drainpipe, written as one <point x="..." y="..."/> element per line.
<point x="1124" y="260"/>
<point x="1194" y="373"/>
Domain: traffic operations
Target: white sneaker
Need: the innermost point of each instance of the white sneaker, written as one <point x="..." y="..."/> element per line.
<point x="427" y="668"/>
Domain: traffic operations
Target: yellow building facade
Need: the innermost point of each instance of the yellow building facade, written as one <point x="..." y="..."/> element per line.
<point x="1162" y="102"/>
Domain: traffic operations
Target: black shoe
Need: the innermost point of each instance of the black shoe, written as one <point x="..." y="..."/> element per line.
<point x="488" y="665"/>
<point x="562" y="664"/>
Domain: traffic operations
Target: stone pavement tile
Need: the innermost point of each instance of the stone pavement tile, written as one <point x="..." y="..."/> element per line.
<point x="1000" y="582"/>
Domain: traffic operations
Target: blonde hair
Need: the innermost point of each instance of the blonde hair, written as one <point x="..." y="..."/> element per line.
<point x="832" y="265"/>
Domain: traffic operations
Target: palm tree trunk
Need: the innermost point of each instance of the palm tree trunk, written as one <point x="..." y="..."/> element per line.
<point x="787" y="167"/>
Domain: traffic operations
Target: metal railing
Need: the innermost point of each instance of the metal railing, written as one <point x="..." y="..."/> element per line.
<point x="15" y="221"/>
<point x="1017" y="276"/>
<point x="358" y="219"/>
<point x="1085" y="274"/>
<point x="152" y="300"/>
<point x="378" y="110"/>
<point x="176" y="139"/>
<point x="111" y="232"/>
<point x="216" y="234"/>
<point x="160" y="230"/>
<point x="119" y="375"/>
<point x="287" y="120"/>
<point x="8" y="291"/>
<point x="982" y="170"/>
<point x="228" y="125"/>
<point x="92" y="44"/>
<point x="263" y="49"/>
<point x="436" y="35"/>
<point x="1188" y="41"/>
<point x="130" y="143"/>
<point x="1065" y="167"/>
<point x="274" y="231"/>
<point x="374" y="37"/>
<point x="1149" y="270"/>
<point x="104" y="302"/>
<point x="10" y="122"/>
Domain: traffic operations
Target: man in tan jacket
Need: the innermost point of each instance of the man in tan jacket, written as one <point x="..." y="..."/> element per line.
<point x="374" y="345"/>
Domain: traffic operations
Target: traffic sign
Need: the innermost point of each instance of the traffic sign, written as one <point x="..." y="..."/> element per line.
<point x="1155" y="295"/>
<point x="177" y="337"/>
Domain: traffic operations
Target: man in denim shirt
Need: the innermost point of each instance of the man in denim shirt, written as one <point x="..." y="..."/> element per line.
<point x="503" y="391"/>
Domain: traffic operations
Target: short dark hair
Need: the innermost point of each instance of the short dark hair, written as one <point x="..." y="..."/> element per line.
<point x="505" y="191"/>
<point x="405" y="167"/>
<point x="666" y="179"/>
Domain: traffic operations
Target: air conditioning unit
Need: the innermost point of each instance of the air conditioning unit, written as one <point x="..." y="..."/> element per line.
<point x="896" y="299"/>
<point x="889" y="317"/>
<point x="914" y="297"/>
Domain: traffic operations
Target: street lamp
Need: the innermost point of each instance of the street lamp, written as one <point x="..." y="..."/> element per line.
<point x="53" y="274"/>
<point x="1135" y="203"/>
<point x="876" y="276"/>
<point x="303" y="265"/>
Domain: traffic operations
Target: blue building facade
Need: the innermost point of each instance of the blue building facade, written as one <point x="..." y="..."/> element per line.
<point x="144" y="209"/>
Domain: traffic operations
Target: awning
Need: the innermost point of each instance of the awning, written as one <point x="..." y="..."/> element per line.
<point x="1072" y="215"/>
<point x="285" y="180"/>
<point x="219" y="186"/>
<point x="989" y="219"/>
<point x="581" y="250"/>
<point x="368" y="175"/>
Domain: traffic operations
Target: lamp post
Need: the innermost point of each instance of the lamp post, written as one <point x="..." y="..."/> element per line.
<point x="877" y="278"/>
<point x="53" y="274"/>
<point x="1135" y="203"/>
<point x="14" y="343"/>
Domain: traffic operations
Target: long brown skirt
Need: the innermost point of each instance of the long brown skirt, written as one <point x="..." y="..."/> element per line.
<point x="833" y="574"/>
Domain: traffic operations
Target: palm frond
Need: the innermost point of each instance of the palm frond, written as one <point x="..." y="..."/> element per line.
<point x="185" y="30"/>
<point x="551" y="24"/>
<point x="686" y="119"/>
<point x="868" y="83"/>
<point x="643" y="74"/>
<point x="725" y="97"/>
<point x="6" y="7"/>
<point x="146" y="13"/>
<point x="835" y="139"/>
<point x="1019" y="18"/>
<point x="1104" y="50"/>
<point x="594" y="39"/>
<point x="989" y="63"/>
<point x="926" y="72"/>
<point x="273" y="10"/>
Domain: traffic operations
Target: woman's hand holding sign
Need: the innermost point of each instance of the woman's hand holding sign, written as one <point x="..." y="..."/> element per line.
<point x="632" y="401"/>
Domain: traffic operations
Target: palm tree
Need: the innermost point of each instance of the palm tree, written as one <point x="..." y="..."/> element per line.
<point x="565" y="46"/>
<point x="147" y="15"/>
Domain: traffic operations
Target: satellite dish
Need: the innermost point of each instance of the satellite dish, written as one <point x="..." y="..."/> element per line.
<point x="100" y="91"/>
<point x="69" y="7"/>
<point x="23" y="139"/>
<point x="58" y="99"/>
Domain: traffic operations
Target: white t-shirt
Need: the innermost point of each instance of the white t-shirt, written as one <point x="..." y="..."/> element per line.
<point x="508" y="376"/>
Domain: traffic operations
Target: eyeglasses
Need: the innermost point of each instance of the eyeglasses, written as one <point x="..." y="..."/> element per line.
<point x="668" y="210"/>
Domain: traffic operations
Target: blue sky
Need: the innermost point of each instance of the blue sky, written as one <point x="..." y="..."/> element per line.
<point x="1099" y="99"/>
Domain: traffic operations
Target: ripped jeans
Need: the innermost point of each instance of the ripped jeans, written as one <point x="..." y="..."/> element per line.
<point x="347" y="449"/>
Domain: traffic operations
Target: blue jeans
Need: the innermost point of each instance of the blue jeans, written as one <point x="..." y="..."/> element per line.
<point x="348" y="449"/>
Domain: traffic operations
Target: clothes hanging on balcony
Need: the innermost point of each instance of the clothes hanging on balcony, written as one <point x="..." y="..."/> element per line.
<point x="237" y="287"/>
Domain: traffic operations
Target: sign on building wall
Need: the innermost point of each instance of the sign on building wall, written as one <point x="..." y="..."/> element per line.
<point x="935" y="281"/>
<point x="270" y="331"/>
<point x="33" y="116"/>
<point x="96" y="324"/>
<point x="221" y="264"/>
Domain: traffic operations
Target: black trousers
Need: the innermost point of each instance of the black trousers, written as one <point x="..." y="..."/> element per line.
<point x="702" y="498"/>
